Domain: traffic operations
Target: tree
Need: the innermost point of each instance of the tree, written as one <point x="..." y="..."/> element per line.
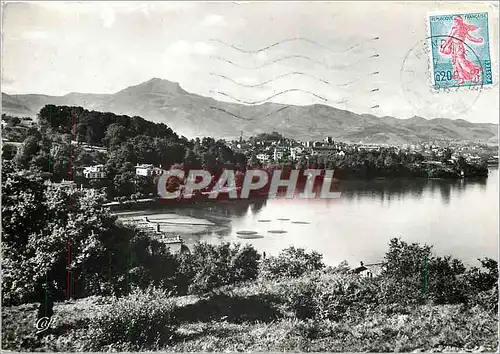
<point x="40" y="222"/>
<point x="8" y="151"/>
<point x="191" y="159"/>
<point x="413" y="274"/>
<point x="14" y="121"/>
<point x="27" y="151"/>
<point x="208" y="267"/>
<point x="253" y="160"/>
<point x="446" y="155"/>
<point x="116" y="134"/>
<point x="291" y="262"/>
<point x="125" y="183"/>
<point x="60" y="162"/>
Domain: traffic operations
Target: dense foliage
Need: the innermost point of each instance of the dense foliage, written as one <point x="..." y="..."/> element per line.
<point x="44" y="223"/>
<point x="142" y="320"/>
<point x="291" y="262"/>
<point x="60" y="146"/>
<point x="63" y="146"/>
<point x="60" y="242"/>
<point x="208" y="267"/>
<point x="331" y="309"/>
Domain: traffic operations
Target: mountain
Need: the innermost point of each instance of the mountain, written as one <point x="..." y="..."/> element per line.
<point x="194" y="115"/>
<point x="15" y="107"/>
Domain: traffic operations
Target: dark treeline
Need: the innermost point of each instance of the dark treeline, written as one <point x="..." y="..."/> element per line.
<point x="57" y="147"/>
<point x="129" y="141"/>
<point x="389" y="163"/>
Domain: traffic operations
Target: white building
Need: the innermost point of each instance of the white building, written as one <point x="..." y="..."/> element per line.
<point x="312" y="143"/>
<point x="368" y="147"/>
<point x="329" y="140"/>
<point x="263" y="157"/>
<point x="369" y="270"/>
<point x="147" y="170"/>
<point x="296" y="152"/>
<point x="96" y="171"/>
<point x="278" y="153"/>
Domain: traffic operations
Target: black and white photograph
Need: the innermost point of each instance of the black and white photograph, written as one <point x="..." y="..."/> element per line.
<point x="249" y="176"/>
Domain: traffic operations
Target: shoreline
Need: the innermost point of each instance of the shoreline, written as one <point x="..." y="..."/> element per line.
<point x="130" y="205"/>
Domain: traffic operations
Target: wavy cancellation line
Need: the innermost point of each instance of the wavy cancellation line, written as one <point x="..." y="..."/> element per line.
<point x="251" y="118"/>
<point x="290" y="74"/>
<point x="271" y="80"/>
<point x="280" y="59"/>
<point x="342" y="101"/>
<point x="358" y="79"/>
<point x="264" y="116"/>
<point x="270" y="97"/>
<point x="231" y="114"/>
<point x="303" y="39"/>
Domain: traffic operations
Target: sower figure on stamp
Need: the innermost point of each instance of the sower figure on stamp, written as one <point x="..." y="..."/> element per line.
<point x="463" y="69"/>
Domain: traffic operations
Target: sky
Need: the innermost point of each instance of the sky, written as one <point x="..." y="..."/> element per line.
<point x="356" y="56"/>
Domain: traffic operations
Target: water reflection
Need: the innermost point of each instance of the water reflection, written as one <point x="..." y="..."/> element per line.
<point x="258" y="204"/>
<point x="400" y="189"/>
<point x="457" y="217"/>
<point x="386" y="191"/>
<point x="233" y="208"/>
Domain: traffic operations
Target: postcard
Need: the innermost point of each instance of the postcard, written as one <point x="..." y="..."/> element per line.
<point x="199" y="176"/>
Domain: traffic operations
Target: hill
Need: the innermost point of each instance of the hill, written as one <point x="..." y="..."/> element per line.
<point x="193" y="115"/>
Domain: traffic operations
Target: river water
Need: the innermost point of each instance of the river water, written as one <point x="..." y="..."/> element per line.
<point x="458" y="217"/>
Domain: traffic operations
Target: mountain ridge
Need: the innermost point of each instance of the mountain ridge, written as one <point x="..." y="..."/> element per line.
<point x="192" y="115"/>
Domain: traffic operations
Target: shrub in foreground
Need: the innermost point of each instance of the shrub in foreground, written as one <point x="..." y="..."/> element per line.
<point x="323" y="296"/>
<point x="413" y="275"/>
<point x="209" y="267"/>
<point x="291" y="263"/>
<point x="143" y="319"/>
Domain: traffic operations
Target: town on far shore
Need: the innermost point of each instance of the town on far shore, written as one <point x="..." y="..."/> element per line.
<point x="431" y="159"/>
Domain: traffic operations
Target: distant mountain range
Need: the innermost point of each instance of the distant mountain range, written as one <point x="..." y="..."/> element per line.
<point x="194" y="115"/>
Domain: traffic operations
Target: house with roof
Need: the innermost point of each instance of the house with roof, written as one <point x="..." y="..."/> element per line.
<point x="95" y="172"/>
<point x="368" y="270"/>
<point x="147" y="170"/>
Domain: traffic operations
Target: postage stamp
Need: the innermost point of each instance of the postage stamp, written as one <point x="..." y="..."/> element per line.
<point x="460" y="50"/>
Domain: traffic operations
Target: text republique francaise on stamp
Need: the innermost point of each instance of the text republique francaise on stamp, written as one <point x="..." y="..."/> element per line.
<point x="460" y="49"/>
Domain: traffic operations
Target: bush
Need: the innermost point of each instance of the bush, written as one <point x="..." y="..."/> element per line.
<point x="209" y="267"/>
<point x="291" y="263"/>
<point x="18" y="331"/>
<point x="481" y="280"/>
<point x="144" y="319"/>
<point x="482" y="285"/>
<point x="8" y="151"/>
<point x="328" y="297"/>
<point x="150" y="263"/>
<point x="413" y="275"/>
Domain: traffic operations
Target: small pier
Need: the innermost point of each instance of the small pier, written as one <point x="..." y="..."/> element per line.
<point x="153" y="228"/>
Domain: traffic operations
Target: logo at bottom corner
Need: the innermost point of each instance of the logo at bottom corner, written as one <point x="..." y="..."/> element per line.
<point x="44" y="324"/>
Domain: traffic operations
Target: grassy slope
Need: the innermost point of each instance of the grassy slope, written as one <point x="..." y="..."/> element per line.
<point x="247" y="318"/>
